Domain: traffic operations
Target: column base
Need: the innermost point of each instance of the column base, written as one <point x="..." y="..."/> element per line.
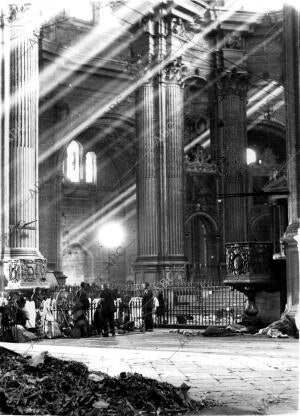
<point x="24" y="269"/>
<point x="291" y="240"/>
<point x="154" y="270"/>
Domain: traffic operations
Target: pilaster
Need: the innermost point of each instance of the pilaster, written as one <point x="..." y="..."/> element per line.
<point x="4" y="140"/>
<point x="24" y="264"/>
<point x="292" y="99"/>
<point x="147" y="182"/>
<point x="174" y="170"/>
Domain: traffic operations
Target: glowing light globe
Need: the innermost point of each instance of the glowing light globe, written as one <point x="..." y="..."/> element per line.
<point x="111" y="235"/>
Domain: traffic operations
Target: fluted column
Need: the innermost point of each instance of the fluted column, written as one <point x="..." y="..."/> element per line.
<point x="4" y="141"/>
<point x="147" y="184"/>
<point x="58" y="222"/>
<point x="174" y="172"/>
<point x="26" y="266"/>
<point x="147" y="178"/>
<point x="160" y="181"/>
<point x="232" y="99"/>
<point x="292" y="103"/>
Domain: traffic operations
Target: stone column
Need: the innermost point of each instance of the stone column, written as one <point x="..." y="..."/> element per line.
<point x="147" y="186"/>
<point x="4" y="140"/>
<point x="174" y="206"/>
<point x="292" y="98"/>
<point x="26" y="266"/>
<point x="58" y="223"/>
<point x="232" y="90"/>
<point x="160" y="182"/>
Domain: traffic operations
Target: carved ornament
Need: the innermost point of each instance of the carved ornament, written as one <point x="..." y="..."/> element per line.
<point x="233" y="41"/>
<point x="233" y="83"/>
<point x="26" y="272"/>
<point x="249" y="258"/>
<point x="237" y="259"/>
<point x="175" y="71"/>
<point x="198" y="161"/>
<point x="138" y="67"/>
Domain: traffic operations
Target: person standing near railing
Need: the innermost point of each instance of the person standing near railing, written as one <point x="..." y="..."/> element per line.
<point x="82" y="297"/>
<point x="160" y="310"/>
<point x="147" y="308"/>
<point x="108" y="310"/>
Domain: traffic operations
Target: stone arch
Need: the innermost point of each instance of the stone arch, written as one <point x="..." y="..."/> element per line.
<point x="268" y="134"/>
<point x="260" y="227"/>
<point x="202" y="244"/>
<point x="193" y="78"/>
<point x="77" y="264"/>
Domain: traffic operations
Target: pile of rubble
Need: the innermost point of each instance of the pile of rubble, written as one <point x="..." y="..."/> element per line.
<point x="43" y="385"/>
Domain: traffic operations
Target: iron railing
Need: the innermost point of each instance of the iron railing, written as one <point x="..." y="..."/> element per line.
<point x="185" y="304"/>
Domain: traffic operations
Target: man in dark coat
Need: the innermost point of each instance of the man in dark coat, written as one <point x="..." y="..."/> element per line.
<point x="108" y="310"/>
<point x="160" y="311"/>
<point x="80" y="328"/>
<point x="82" y="297"/>
<point x="147" y="307"/>
<point x="98" y="319"/>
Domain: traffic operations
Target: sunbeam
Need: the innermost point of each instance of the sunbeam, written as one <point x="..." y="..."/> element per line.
<point x="77" y="127"/>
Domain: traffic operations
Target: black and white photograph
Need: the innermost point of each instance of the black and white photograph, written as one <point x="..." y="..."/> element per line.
<point x="149" y="207"/>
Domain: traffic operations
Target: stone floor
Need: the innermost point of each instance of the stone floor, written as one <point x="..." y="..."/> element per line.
<point x="247" y="375"/>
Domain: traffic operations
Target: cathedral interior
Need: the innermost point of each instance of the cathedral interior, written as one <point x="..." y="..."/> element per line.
<point x="143" y="139"/>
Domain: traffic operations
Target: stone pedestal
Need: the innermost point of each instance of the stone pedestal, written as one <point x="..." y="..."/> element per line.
<point x="24" y="266"/>
<point x="248" y="269"/>
<point x="291" y="241"/>
<point x="248" y="263"/>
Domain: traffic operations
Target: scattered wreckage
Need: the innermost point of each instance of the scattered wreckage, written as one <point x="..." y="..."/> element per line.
<point x="43" y="385"/>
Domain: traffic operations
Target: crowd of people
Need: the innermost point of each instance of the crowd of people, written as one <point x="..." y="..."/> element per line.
<point x="25" y="316"/>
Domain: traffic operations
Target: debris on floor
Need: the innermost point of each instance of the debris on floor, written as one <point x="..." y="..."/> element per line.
<point x="186" y="332"/>
<point x="237" y="328"/>
<point x="272" y="333"/>
<point x="214" y="331"/>
<point x="44" y="385"/>
<point x="283" y="328"/>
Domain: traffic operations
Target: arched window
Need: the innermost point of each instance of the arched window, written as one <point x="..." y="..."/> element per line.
<point x="251" y="156"/>
<point x="90" y="167"/>
<point x="73" y="162"/>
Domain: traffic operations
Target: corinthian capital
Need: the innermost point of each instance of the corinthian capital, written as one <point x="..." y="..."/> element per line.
<point x="233" y="83"/>
<point x="175" y="71"/>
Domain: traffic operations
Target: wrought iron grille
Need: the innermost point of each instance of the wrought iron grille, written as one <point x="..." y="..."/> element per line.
<point x="185" y="304"/>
